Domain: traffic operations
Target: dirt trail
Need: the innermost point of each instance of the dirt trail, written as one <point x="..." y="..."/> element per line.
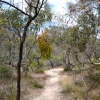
<point x="52" y="89"/>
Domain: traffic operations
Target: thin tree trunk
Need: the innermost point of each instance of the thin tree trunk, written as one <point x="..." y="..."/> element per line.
<point x="20" y="57"/>
<point x="18" y="71"/>
<point x="67" y="60"/>
<point x="51" y="63"/>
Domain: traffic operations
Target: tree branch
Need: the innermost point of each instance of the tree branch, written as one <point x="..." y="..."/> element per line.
<point x="91" y="87"/>
<point x="14" y="7"/>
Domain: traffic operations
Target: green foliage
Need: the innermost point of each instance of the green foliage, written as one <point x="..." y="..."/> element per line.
<point x="94" y="72"/>
<point x="5" y="72"/>
<point x="67" y="68"/>
<point x="33" y="65"/>
<point x="94" y="76"/>
<point x="40" y="70"/>
<point x="36" y="85"/>
<point x="14" y="16"/>
<point x="80" y="34"/>
<point x="44" y="46"/>
<point x="41" y="63"/>
<point x="77" y="38"/>
<point x="68" y="89"/>
<point x="44" y="15"/>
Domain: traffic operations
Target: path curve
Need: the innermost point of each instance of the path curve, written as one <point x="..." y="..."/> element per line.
<point x="52" y="89"/>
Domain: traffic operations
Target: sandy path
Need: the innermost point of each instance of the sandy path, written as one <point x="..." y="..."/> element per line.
<point x="52" y="89"/>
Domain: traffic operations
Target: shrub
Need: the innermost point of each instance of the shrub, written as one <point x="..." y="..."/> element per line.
<point x="5" y="72"/>
<point x="40" y="70"/>
<point x="68" y="89"/>
<point x="34" y="64"/>
<point x="94" y="76"/>
<point x="67" y="69"/>
<point x="36" y="85"/>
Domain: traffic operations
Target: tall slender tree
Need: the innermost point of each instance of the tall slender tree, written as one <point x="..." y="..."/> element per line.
<point x="35" y="6"/>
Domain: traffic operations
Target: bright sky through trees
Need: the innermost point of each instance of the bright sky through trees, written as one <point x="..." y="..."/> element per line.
<point x="59" y="6"/>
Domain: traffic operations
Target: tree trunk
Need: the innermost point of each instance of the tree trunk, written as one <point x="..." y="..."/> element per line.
<point x="19" y="72"/>
<point x="20" y="56"/>
<point x="51" y="63"/>
<point x="67" y="60"/>
<point x="99" y="14"/>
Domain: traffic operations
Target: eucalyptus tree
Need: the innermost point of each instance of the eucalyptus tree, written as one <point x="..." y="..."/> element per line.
<point x="34" y="8"/>
<point x="31" y="48"/>
<point x="80" y="40"/>
<point x="85" y="37"/>
<point x="11" y="24"/>
<point x="60" y="36"/>
<point x="86" y="15"/>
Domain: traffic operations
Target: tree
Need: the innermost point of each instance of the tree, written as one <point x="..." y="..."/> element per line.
<point x="80" y="40"/>
<point x="37" y="7"/>
<point x="86" y="35"/>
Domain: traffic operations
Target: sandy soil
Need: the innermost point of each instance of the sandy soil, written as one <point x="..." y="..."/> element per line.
<point x="52" y="89"/>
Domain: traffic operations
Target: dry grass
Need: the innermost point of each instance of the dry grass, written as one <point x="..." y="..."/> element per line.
<point x="72" y="90"/>
<point x="32" y="84"/>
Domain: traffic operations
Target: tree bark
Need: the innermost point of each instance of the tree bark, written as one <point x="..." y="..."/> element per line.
<point x="18" y="71"/>
<point x="67" y="60"/>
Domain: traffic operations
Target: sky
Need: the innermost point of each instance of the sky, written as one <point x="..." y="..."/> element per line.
<point x="59" y="6"/>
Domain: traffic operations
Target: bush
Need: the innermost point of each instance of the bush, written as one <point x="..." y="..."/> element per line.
<point x="36" y="85"/>
<point x="40" y="70"/>
<point x="34" y="64"/>
<point x="5" y="72"/>
<point x="68" y="89"/>
<point x="67" y="69"/>
<point x="41" y="64"/>
<point x="93" y="74"/>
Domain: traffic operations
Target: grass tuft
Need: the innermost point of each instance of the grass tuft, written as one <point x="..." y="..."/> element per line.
<point x="36" y="85"/>
<point x="40" y="70"/>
